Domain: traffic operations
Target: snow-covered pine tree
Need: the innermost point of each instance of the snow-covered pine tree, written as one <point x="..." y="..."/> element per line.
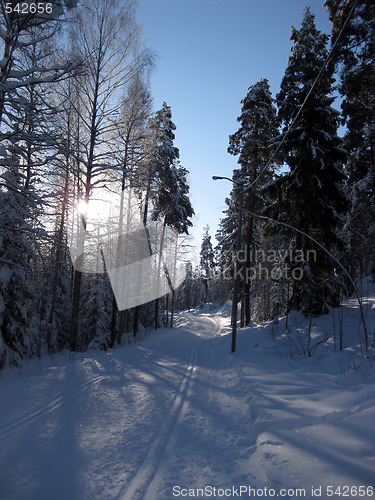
<point x="354" y="55"/>
<point x="226" y="248"/>
<point x="253" y="143"/>
<point x="61" y="170"/>
<point x="207" y="261"/>
<point x="96" y="320"/>
<point x="15" y="254"/>
<point x="311" y="196"/>
<point x="185" y="293"/>
<point x="167" y="187"/>
<point x="28" y="69"/>
<point x="173" y="203"/>
<point x="163" y="157"/>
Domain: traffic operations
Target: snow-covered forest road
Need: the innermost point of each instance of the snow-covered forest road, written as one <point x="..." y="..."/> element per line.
<point x="176" y="411"/>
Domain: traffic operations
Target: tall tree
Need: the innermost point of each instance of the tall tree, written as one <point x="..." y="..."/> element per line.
<point x="207" y="260"/>
<point x="353" y="33"/>
<point x="163" y="158"/>
<point x="167" y="184"/>
<point x="96" y="320"/>
<point x="108" y="38"/>
<point x="311" y="196"/>
<point x="16" y="252"/>
<point x="253" y="143"/>
<point x="29" y="67"/>
<point x="15" y="30"/>
<point x="130" y="156"/>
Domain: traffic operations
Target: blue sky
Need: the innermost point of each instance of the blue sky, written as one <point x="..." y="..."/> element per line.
<point x="208" y="53"/>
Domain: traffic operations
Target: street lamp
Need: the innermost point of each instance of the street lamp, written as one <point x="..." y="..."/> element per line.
<point x="236" y="265"/>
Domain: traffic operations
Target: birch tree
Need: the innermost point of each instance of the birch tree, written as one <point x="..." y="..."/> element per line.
<point x="108" y="38"/>
<point x="15" y="30"/>
<point x="130" y="155"/>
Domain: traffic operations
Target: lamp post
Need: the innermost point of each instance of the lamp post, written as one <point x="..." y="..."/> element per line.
<point x="236" y="264"/>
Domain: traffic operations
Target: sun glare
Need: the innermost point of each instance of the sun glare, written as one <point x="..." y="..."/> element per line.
<point x="98" y="209"/>
<point x="82" y="207"/>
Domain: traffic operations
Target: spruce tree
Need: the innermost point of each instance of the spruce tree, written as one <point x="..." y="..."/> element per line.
<point x="163" y="159"/>
<point x="207" y="260"/>
<point x="16" y="253"/>
<point x="167" y="187"/>
<point x="253" y="145"/>
<point x="96" y="321"/>
<point x="310" y="197"/>
<point x="353" y="33"/>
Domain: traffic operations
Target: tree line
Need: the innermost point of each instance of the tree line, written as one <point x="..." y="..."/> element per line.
<point x="302" y="183"/>
<point x="76" y="120"/>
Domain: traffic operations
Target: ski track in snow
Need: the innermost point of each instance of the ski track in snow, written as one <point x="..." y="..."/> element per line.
<point x="145" y="482"/>
<point x="55" y="403"/>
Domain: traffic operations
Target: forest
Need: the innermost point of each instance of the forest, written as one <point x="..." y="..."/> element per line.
<point x="78" y="129"/>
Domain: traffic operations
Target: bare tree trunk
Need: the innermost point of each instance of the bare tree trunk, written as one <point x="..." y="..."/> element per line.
<point x="156" y="314"/>
<point x="113" y="321"/>
<point x="247" y="298"/>
<point x="242" y="321"/>
<point x="156" y="319"/>
<point x="166" y="320"/>
<point x="59" y="242"/>
<point x="75" y="311"/>
<point x="136" y="321"/>
<point x="172" y="307"/>
<point x="121" y="327"/>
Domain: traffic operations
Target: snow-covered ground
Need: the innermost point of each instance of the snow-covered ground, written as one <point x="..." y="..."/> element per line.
<point x="176" y="415"/>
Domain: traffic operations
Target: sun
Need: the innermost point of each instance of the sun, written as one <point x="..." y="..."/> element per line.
<point x="97" y="210"/>
<point x="82" y="207"/>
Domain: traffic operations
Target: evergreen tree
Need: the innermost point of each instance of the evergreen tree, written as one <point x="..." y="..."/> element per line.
<point x="163" y="179"/>
<point x="353" y="32"/>
<point x="185" y="293"/>
<point x="96" y="321"/>
<point x="15" y="255"/>
<point x="311" y="196"/>
<point x="167" y="185"/>
<point x="226" y="247"/>
<point x="259" y="127"/>
<point x="253" y="145"/>
<point x="207" y="261"/>
<point x="173" y="202"/>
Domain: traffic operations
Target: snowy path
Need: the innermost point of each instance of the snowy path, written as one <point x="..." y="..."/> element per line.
<point x="178" y="411"/>
<point x="207" y="426"/>
<point x="127" y="424"/>
<point x="145" y="482"/>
